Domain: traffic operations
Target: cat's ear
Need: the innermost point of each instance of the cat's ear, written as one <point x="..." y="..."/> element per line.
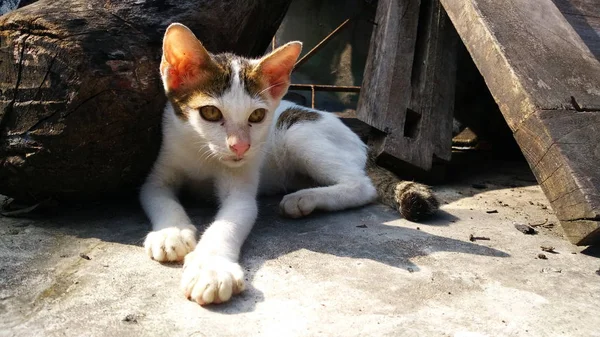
<point x="184" y="59"/>
<point x="276" y="67"/>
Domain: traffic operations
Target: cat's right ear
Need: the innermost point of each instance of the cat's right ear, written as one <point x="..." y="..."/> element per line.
<point x="183" y="58"/>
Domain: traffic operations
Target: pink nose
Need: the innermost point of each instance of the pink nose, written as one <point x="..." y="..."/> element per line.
<point x="239" y="148"/>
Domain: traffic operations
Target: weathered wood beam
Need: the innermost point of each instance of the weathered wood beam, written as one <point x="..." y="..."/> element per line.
<point x="408" y="88"/>
<point x="544" y="73"/>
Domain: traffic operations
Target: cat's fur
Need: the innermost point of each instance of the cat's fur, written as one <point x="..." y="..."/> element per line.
<point x="288" y="148"/>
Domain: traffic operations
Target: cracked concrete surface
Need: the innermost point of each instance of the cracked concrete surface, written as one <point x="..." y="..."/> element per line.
<point x="362" y="272"/>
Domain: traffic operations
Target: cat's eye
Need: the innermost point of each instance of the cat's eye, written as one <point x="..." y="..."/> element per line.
<point x="257" y="115"/>
<point x="211" y="113"/>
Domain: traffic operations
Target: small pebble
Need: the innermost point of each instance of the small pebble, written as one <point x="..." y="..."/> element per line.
<point x="525" y="229"/>
<point x="548" y="249"/>
<point x="131" y="318"/>
<point x="542" y="256"/>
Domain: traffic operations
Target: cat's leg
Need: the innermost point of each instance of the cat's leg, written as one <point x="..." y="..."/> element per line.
<point x="173" y="236"/>
<point x="337" y="167"/>
<point x="352" y="190"/>
<point x="211" y="272"/>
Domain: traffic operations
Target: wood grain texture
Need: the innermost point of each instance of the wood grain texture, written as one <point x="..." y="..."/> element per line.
<point x="545" y="61"/>
<point x="584" y="17"/>
<point x="408" y="91"/>
<point x="80" y="94"/>
<point x="433" y="83"/>
<point x="542" y="68"/>
<point x="386" y="86"/>
<point x="564" y="158"/>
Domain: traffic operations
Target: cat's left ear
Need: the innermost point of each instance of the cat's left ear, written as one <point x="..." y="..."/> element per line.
<point x="276" y="67"/>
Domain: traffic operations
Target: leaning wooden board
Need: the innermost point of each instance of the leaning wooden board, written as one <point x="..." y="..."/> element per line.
<point x="540" y="60"/>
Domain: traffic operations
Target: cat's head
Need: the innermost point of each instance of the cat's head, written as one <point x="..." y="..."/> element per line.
<point x="228" y="100"/>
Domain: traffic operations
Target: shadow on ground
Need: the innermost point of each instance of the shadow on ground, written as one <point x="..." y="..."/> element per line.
<point x="363" y="233"/>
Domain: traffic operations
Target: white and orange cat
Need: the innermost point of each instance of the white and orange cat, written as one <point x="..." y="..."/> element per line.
<point x="225" y="122"/>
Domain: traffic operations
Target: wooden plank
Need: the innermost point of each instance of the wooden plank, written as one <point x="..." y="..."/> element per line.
<point x="589" y="8"/>
<point x="545" y="61"/>
<point x="408" y="91"/>
<point x="386" y="86"/>
<point x="564" y="158"/>
<point x="545" y="77"/>
<point x="584" y="17"/>
<point x="433" y="84"/>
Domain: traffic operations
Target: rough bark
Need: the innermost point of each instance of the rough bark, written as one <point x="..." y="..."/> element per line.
<point x="80" y="93"/>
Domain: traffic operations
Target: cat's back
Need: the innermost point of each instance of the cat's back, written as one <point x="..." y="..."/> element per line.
<point x="302" y="125"/>
<point x="302" y="134"/>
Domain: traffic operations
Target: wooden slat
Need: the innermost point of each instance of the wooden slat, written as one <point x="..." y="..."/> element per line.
<point x="584" y="17"/>
<point x="541" y="66"/>
<point x="386" y="85"/>
<point x="433" y="84"/>
<point x="408" y="91"/>
<point x="546" y="61"/>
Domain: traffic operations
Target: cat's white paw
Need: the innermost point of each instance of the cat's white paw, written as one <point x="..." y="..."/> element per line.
<point x="211" y="279"/>
<point x="170" y="244"/>
<point x="298" y="204"/>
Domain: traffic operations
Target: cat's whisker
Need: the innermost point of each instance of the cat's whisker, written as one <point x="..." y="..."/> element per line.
<point x="268" y="88"/>
<point x="205" y="152"/>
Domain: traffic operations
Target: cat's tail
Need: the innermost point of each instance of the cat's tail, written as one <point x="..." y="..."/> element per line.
<point x="413" y="200"/>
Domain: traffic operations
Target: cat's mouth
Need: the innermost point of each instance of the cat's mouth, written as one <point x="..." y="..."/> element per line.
<point x="234" y="158"/>
<point x="234" y="161"/>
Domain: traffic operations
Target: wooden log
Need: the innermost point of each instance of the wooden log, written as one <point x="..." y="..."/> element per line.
<point x="408" y="90"/>
<point x="540" y="61"/>
<point x="80" y="93"/>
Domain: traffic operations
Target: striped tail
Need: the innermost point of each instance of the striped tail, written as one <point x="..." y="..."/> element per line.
<point x="413" y="200"/>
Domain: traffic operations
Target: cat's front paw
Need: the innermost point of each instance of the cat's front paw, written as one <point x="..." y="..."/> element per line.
<point x="211" y="279"/>
<point x="170" y="244"/>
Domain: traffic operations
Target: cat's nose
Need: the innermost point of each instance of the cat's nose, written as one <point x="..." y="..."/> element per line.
<point x="239" y="148"/>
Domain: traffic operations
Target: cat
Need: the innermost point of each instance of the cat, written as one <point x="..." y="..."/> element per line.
<point x="225" y="121"/>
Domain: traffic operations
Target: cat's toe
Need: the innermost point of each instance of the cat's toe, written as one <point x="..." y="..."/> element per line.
<point x="170" y="244"/>
<point x="297" y="205"/>
<point x="211" y="279"/>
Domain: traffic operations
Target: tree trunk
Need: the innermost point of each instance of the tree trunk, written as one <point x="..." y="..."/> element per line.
<point x="80" y="92"/>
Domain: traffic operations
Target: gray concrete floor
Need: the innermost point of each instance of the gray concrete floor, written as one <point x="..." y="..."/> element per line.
<point x="362" y="272"/>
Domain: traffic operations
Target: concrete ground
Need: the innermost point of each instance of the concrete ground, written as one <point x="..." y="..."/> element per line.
<point x="362" y="272"/>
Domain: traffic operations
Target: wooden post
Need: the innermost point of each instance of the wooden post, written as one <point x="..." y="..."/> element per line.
<point x="408" y="90"/>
